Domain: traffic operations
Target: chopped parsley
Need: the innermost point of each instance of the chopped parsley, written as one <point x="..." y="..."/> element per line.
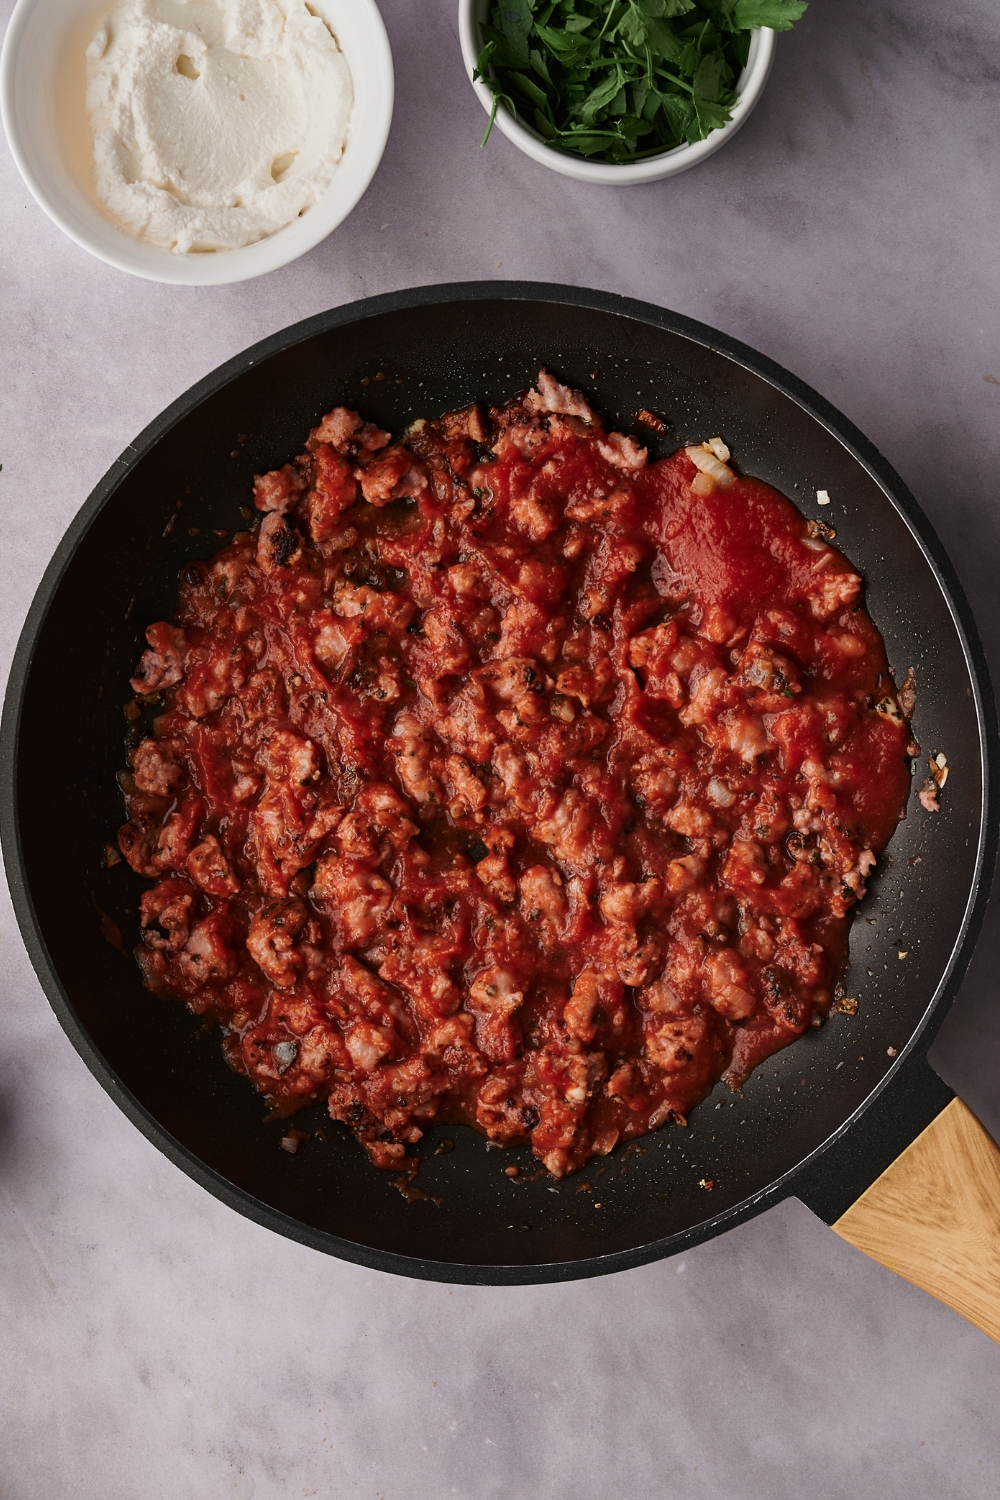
<point x="621" y="80"/>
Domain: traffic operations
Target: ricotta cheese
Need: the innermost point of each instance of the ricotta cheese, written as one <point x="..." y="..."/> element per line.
<point x="215" y="122"/>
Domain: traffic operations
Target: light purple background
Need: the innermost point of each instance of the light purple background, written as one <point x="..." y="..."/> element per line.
<point x="157" y="1345"/>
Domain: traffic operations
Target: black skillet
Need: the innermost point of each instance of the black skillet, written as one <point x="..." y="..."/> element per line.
<point x="819" y="1121"/>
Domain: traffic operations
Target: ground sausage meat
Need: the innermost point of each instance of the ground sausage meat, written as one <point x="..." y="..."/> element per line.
<point x="503" y="776"/>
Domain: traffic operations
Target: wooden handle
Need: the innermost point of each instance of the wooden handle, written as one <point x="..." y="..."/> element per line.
<point x="934" y="1217"/>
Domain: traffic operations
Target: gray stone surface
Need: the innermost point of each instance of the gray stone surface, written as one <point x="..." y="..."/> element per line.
<point x="158" y="1345"/>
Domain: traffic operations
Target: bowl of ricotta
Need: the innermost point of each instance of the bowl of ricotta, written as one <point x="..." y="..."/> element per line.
<point x="197" y="141"/>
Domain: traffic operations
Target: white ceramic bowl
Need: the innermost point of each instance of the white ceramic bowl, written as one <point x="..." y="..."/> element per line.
<point x="749" y="86"/>
<point x="42" y="37"/>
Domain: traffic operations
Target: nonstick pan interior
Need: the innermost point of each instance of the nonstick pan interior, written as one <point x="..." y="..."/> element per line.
<point x="395" y="358"/>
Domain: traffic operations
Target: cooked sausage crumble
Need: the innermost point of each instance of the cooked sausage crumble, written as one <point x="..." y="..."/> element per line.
<point x="505" y="777"/>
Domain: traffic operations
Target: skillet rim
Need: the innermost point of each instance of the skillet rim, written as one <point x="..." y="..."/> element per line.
<point x="916" y="1092"/>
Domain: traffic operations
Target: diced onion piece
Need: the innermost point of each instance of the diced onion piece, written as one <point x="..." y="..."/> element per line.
<point x="890" y="709"/>
<point x="719" y="793"/>
<point x="661" y="1114"/>
<point x="706" y="461"/>
<point x="822" y="497"/>
<point x="717" y="446"/>
<point x="939" y="768"/>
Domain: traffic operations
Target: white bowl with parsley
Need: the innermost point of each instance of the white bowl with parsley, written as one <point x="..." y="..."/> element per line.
<point x="622" y="92"/>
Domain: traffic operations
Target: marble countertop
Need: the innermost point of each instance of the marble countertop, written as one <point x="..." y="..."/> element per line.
<point x="156" y="1344"/>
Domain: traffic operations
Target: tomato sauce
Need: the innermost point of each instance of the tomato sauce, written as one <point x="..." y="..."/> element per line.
<point x="504" y="777"/>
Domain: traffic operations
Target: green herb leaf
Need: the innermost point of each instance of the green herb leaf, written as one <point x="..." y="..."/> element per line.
<point x="515" y="20"/>
<point x="710" y="116"/>
<point x="680" y="115"/>
<point x="631" y="128"/>
<point x="663" y="42"/>
<point x="603" y="94"/>
<point x="708" y="79"/>
<point x="589" y="145"/>
<point x="544" y="126"/>
<point x="652" y="105"/>
<point x="527" y="86"/>
<point x="501" y="56"/>
<point x="689" y="59"/>
<point x="563" y="44"/>
<point x="540" y="66"/>
<point x="633" y="25"/>
<point x="780" y="15"/>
